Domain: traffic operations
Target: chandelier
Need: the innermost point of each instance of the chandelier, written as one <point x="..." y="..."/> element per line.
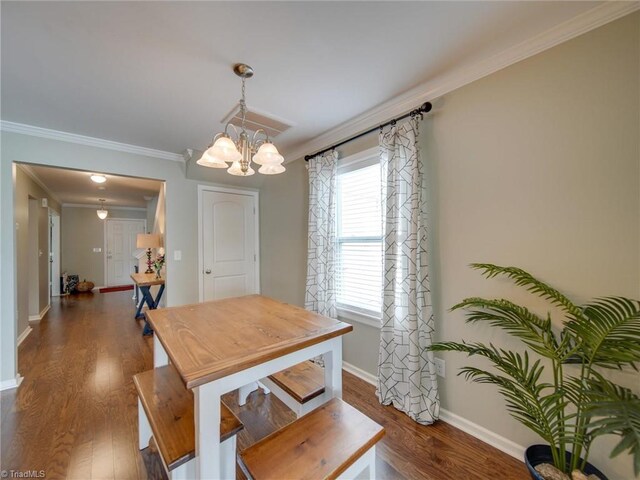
<point x="102" y="213"/>
<point x="242" y="151"/>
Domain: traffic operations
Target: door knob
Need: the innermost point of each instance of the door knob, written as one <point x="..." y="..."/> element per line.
<point x="208" y="271"/>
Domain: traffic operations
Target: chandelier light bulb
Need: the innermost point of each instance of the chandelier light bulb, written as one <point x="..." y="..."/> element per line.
<point x="271" y="169"/>
<point x="207" y="160"/>
<point x="236" y="169"/>
<point x="268" y="155"/>
<point x="224" y="149"/>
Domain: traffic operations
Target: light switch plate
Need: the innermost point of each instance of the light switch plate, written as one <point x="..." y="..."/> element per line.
<point x="97" y="250"/>
<point x="177" y="255"/>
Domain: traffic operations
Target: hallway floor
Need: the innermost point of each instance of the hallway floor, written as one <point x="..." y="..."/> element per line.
<point x="75" y="414"/>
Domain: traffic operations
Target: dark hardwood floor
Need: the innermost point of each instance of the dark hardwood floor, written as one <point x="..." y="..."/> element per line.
<point x="75" y="414"/>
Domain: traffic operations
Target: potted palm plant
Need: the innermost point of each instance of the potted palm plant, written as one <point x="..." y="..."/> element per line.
<point x="574" y="403"/>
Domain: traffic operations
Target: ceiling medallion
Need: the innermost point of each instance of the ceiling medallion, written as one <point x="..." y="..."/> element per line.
<point x="240" y="152"/>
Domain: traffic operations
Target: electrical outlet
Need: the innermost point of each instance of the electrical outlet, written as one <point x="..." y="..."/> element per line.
<point x="440" y="367"/>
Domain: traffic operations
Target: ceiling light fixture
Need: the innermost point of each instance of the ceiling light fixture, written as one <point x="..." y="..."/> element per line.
<point x="98" y="178"/>
<point x="239" y="153"/>
<point x="102" y="213"/>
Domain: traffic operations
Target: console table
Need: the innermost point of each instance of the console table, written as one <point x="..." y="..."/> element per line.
<point x="144" y="281"/>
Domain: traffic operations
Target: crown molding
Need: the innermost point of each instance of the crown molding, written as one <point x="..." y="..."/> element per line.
<point x="31" y="174"/>
<point x="465" y="74"/>
<point x="13" y="127"/>
<point x="95" y="206"/>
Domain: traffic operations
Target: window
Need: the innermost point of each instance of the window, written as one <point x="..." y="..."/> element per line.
<point x="359" y="239"/>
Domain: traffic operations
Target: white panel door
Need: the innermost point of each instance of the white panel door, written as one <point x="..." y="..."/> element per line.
<point x="121" y="243"/>
<point x="229" y="245"/>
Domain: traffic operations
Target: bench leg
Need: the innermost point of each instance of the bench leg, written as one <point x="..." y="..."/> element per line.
<point x="244" y="391"/>
<point x="186" y="471"/>
<point x="366" y="462"/>
<point x="264" y="388"/>
<point x="144" y="429"/>
<point x="228" y="458"/>
<point x="160" y="357"/>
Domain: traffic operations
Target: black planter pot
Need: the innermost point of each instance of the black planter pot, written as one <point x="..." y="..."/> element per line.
<point x="537" y="454"/>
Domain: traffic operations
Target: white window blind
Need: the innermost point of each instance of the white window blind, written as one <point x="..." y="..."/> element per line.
<point x="359" y="237"/>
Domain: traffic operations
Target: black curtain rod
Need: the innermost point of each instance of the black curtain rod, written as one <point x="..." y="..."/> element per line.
<point x="424" y="108"/>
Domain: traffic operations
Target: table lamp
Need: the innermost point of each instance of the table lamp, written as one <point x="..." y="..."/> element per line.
<point x="148" y="241"/>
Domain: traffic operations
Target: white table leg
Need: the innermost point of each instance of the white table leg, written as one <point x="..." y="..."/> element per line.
<point x="333" y="369"/>
<point x="160" y="357"/>
<point x="207" y="415"/>
<point x="144" y="429"/>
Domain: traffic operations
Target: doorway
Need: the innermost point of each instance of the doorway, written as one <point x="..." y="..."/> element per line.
<point x="229" y="248"/>
<point x="34" y="254"/>
<point x="54" y="253"/>
<point x="120" y="246"/>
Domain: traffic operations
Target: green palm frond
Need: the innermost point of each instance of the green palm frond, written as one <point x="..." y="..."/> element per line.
<point x="533" y="285"/>
<point x="579" y="404"/>
<point x="617" y="411"/>
<point x="609" y="332"/>
<point x="521" y="386"/>
<point x="518" y="321"/>
<point x="534" y="412"/>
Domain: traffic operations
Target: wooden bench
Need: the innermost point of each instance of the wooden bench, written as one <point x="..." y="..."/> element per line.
<point x="165" y="411"/>
<point x="333" y="441"/>
<point x="300" y="387"/>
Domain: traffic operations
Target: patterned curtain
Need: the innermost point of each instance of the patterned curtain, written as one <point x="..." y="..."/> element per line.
<point x="406" y="372"/>
<point x="320" y="295"/>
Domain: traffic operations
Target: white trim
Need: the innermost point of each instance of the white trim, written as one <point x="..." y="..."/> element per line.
<point x="256" y="205"/>
<point x="361" y="374"/>
<point x="13" y="383"/>
<point x="96" y="207"/>
<point x="481" y="433"/>
<point x="353" y="316"/>
<point x="360" y="156"/>
<point x="90" y="141"/>
<point x="26" y="168"/>
<point x="104" y="245"/>
<point x="37" y="318"/>
<point x="487" y="436"/>
<point x="465" y="74"/>
<point x="362" y="159"/>
<point x="24" y="335"/>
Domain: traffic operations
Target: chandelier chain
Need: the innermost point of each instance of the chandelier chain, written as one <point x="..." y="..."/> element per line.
<point x="243" y="105"/>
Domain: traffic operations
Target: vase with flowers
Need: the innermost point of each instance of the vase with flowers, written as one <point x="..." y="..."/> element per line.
<point x="158" y="264"/>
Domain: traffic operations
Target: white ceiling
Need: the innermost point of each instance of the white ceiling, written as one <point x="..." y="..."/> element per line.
<point x="74" y="186"/>
<point x="158" y="74"/>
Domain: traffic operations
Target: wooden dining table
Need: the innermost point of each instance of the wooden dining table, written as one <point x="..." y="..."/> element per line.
<point x="222" y="345"/>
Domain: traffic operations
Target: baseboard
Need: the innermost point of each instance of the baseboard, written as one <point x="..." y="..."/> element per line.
<point x="24" y="335"/>
<point x="358" y="372"/>
<point x="13" y="383"/>
<point x="487" y="436"/>
<point x="36" y="318"/>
